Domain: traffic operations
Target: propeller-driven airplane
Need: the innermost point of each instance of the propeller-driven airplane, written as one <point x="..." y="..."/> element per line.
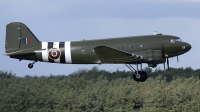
<point x="154" y="49"/>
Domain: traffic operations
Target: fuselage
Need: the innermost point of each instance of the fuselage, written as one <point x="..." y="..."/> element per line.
<point x="82" y="52"/>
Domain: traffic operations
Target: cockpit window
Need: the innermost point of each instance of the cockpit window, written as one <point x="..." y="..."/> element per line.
<point x="175" y="40"/>
<point x="178" y="40"/>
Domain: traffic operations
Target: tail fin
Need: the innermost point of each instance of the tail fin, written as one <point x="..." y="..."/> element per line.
<point x="19" y="38"/>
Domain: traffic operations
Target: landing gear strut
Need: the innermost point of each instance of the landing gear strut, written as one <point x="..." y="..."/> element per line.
<point x="30" y="65"/>
<point x="139" y="76"/>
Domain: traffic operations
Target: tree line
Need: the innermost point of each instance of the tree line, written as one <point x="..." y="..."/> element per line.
<point x="98" y="90"/>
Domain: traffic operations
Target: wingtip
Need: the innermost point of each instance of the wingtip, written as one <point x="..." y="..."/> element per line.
<point x="5" y="54"/>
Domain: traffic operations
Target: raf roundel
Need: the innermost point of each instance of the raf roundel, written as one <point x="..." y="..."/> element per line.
<point x="54" y="53"/>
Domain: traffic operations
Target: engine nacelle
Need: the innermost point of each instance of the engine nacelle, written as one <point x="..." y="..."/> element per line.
<point x="151" y="57"/>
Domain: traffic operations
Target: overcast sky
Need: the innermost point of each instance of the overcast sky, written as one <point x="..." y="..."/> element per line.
<point x="69" y="20"/>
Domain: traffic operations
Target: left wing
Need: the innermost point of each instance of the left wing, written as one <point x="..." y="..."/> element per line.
<point x="111" y="55"/>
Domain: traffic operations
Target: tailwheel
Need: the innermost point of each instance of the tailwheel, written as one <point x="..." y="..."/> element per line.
<point x="30" y="65"/>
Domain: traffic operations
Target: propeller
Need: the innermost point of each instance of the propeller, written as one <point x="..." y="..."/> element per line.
<point x="165" y="57"/>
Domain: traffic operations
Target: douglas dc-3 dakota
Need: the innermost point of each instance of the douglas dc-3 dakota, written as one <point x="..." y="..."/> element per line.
<point x="153" y="49"/>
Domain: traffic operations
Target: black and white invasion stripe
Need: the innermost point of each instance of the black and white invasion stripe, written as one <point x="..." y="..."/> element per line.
<point x="64" y="48"/>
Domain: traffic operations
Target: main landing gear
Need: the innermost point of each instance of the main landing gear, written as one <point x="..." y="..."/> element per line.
<point x="30" y="65"/>
<point x="139" y="76"/>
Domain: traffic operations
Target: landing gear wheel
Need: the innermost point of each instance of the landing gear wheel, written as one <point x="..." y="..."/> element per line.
<point x="30" y="65"/>
<point x="144" y="76"/>
<point x="140" y="77"/>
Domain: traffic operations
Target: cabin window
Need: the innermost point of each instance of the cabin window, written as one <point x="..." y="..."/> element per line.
<point x="172" y="41"/>
<point x="121" y="48"/>
<point x="140" y="46"/>
<point x="92" y="50"/>
<point x="131" y="47"/>
<point x="83" y="51"/>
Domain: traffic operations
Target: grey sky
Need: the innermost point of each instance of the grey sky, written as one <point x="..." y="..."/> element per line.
<point x="69" y="20"/>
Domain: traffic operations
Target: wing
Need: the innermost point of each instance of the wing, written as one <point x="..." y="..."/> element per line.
<point x="112" y="55"/>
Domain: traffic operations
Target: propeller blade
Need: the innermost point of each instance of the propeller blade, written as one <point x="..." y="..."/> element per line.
<point x="168" y="63"/>
<point x="177" y="60"/>
<point x="164" y="65"/>
<point x="163" y="56"/>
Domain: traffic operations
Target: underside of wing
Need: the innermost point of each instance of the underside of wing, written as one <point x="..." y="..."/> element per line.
<point x="111" y="55"/>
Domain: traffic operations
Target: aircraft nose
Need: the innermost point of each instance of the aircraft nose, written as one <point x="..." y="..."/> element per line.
<point x="186" y="46"/>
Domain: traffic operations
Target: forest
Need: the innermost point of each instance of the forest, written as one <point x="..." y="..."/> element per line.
<point x="94" y="90"/>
